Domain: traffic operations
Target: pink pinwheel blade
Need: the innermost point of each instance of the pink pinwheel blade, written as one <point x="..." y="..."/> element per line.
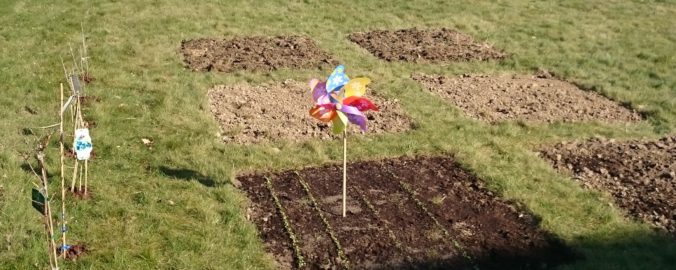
<point x="319" y="91"/>
<point x="354" y="116"/>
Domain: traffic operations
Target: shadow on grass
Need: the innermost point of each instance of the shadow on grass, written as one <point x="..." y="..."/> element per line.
<point x="188" y="175"/>
<point x="548" y="257"/>
<point x="27" y="168"/>
<point x="621" y="250"/>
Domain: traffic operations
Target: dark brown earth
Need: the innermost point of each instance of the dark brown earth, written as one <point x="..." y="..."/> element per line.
<point x="74" y="252"/>
<point x="640" y="175"/>
<point x="416" y="45"/>
<point x="253" y="53"/>
<point x="423" y="213"/>
<point x="87" y="78"/>
<point x="252" y="114"/>
<point x="81" y="194"/>
<point x="524" y="98"/>
<point x="70" y="153"/>
<point x="89" y="100"/>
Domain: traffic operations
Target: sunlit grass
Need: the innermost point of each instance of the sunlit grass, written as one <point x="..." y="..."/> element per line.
<point x="141" y="218"/>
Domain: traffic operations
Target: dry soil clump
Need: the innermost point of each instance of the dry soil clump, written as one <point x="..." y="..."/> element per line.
<point x="252" y="114"/>
<point x="640" y="175"/>
<point x="253" y="53"/>
<point x="526" y="98"/>
<point x="416" y="45"/>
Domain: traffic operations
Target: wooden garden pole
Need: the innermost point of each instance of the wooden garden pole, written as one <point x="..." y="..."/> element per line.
<point x="48" y="209"/>
<point x="85" y="176"/>
<point x="72" y="183"/>
<point x="344" y="172"/>
<point x="63" y="179"/>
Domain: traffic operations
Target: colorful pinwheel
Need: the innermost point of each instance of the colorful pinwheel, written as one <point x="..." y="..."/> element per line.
<point x="340" y="100"/>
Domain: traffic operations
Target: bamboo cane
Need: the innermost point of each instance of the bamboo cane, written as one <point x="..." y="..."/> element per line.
<point x="63" y="181"/>
<point x="344" y="172"/>
<point x="86" y="171"/>
<point x="48" y="209"/>
<point x="72" y="183"/>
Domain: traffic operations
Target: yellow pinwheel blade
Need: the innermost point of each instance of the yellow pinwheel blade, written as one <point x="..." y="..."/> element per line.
<point x="339" y="123"/>
<point x="356" y="87"/>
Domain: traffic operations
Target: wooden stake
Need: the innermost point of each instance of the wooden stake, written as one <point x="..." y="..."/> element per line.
<point x="80" y="181"/>
<point x="72" y="183"/>
<point x="48" y="209"/>
<point x="86" y="172"/>
<point x="345" y="172"/>
<point x="63" y="180"/>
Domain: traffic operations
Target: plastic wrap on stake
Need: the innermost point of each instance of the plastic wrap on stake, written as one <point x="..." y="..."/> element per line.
<point x="82" y="144"/>
<point x="76" y="84"/>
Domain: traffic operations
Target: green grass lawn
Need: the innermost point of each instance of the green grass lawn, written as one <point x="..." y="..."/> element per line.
<point x="142" y="218"/>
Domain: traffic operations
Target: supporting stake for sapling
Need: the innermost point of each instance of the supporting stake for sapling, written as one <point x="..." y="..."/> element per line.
<point x="85" y="176"/>
<point x="344" y="172"/>
<point x="63" y="181"/>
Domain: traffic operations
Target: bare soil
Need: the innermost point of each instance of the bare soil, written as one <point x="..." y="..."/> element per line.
<point x="268" y="112"/>
<point x="640" y="175"/>
<point x="74" y="252"/>
<point x="253" y="53"/>
<point x="81" y="194"/>
<point x="89" y="100"/>
<point x="524" y="98"/>
<point x="431" y="45"/>
<point x="87" y="78"/>
<point x="405" y="213"/>
<point x="70" y="153"/>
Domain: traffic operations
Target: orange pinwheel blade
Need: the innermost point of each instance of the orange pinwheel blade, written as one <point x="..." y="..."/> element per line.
<point x="323" y="113"/>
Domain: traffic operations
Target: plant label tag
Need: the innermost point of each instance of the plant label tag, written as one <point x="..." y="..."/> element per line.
<point x="76" y="83"/>
<point x="82" y="144"/>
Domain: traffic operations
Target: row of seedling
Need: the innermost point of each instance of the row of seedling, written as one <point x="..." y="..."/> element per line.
<point x="421" y="206"/>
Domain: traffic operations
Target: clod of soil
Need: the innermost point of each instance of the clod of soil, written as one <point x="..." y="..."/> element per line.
<point x="415" y="45"/>
<point x="87" y="78"/>
<point x="640" y="175"/>
<point x="253" y="53"/>
<point x="81" y="194"/>
<point x="89" y="99"/>
<point x="252" y="114"/>
<point x="527" y="98"/>
<point x="74" y="252"/>
<point x="70" y="153"/>
<point x="422" y="213"/>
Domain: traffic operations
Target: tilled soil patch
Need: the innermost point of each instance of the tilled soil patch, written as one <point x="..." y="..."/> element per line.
<point x="431" y="45"/>
<point x="252" y="114"/>
<point x="253" y="53"/>
<point x="422" y="213"/>
<point x="640" y="175"/>
<point x="526" y="98"/>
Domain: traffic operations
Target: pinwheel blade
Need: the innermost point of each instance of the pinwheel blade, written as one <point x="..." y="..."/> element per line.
<point x="356" y="87"/>
<point x="323" y="112"/>
<point x="339" y="122"/>
<point x="318" y="90"/>
<point x="362" y="104"/>
<point x="354" y="116"/>
<point x="337" y="79"/>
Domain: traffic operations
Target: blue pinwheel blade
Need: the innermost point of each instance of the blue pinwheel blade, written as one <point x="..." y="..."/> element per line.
<point x="337" y="79"/>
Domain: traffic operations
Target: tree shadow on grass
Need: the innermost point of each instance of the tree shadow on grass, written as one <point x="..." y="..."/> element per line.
<point x="630" y="249"/>
<point x="27" y="169"/>
<point x="546" y="257"/>
<point x="188" y="175"/>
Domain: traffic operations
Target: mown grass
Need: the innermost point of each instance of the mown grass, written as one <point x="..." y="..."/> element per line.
<point x="142" y="217"/>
